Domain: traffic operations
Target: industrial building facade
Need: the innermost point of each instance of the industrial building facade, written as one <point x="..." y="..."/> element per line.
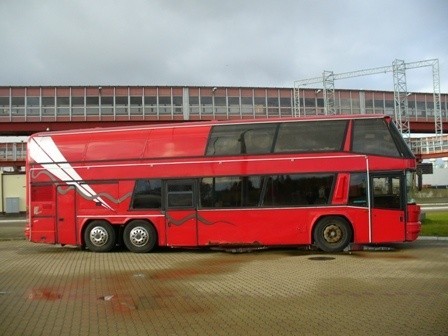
<point x="152" y="103"/>
<point x="28" y="109"/>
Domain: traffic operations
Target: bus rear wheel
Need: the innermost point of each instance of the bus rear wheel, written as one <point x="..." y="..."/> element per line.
<point x="332" y="234"/>
<point x="139" y="236"/>
<point x="99" y="236"/>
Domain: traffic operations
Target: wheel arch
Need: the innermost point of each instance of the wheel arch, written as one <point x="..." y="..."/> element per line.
<point x="151" y="232"/>
<point x="322" y="217"/>
<point x="148" y="221"/>
<point x="86" y="223"/>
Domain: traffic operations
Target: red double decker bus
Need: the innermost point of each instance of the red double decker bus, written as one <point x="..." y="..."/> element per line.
<point x="317" y="181"/>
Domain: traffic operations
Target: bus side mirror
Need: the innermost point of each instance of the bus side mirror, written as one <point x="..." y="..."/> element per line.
<point x="419" y="181"/>
<point x="423" y="168"/>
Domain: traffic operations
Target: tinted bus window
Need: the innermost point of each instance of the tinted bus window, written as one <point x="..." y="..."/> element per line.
<point x="401" y="144"/>
<point x="298" y="190"/>
<point x="180" y="194"/>
<point x="358" y="189"/>
<point x="241" y="139"/>
<point x="147" y="194"/>
<point x="227" y="192"/>
<point x="372" y="136"/>
<point x="311" y="136"/>
<point x="386" y="192"/>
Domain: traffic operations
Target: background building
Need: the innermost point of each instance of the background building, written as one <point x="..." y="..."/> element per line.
<point x="28" y="109"/>
<point x="24" y="110"/>
<point x="12" y="193"/>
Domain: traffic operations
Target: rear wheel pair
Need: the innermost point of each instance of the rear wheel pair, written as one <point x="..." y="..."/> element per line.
<point x="138" y="236"/>
<point x="332" y="234"/>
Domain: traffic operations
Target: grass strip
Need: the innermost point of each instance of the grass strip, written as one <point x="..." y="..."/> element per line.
<point x="435" y="224"/>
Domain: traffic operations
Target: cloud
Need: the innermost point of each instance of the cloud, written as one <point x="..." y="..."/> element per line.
<point x="232" y="43"/>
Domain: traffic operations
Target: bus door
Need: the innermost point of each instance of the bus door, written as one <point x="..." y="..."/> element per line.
<point x="388" y="203"/>
<point x="65" y="218"/>
<point x="181" y="213"/>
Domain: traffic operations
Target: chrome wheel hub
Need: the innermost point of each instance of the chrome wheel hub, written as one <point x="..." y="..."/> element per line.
<point x="139" y="236"/>
<point x="99" y="236"/>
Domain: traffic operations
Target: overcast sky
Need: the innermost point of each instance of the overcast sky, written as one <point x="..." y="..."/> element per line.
<point x="219" y="42"/>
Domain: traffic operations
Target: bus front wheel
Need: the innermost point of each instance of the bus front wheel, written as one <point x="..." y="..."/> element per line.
<point x="332" y="234"/>
<point x="139" y="236"/>
<point x="99" y="236"/>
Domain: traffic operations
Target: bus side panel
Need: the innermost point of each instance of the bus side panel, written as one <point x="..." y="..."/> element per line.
<point x="252" y="227"/>
<point x="357" y="217"/>
<point x="158" y="220"/>
<point x="274" y="226"/>
<point x="43" y="230"/>
<point x="101" y="200"/>
<point x="171" y="142"/>
<point x="42" y="212"/>
<point x="66" y="209"/>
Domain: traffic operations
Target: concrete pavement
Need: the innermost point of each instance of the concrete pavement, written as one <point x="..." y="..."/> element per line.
<point x="54" y="290"/>
<point x="50" y="290"/>
<point x="12" y="227"/>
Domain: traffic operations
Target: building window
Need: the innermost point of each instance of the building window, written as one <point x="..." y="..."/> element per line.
<point x="63" y="104"/>
<point x="177" y="102"/>
<point x="234" y="105"/>
<point x="136" y="105"/>
<point x="165" y="105"/>
<point x="247" y="106"/>
<point x="121" y="105"/>
<point x="4" y="102"/>
<point x="92" y="105"/>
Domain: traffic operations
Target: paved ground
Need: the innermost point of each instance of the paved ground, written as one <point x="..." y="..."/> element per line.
<point x="12" y="228"/>
<point x="54" y="290"/>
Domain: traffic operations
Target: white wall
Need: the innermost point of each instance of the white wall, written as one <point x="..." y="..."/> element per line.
<point x="438" y="178"/>
<point x="13" y="185"/>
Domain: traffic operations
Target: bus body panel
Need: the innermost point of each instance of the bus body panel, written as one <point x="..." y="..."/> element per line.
<point x="413" y="224"/>
<point x="42" y="230"/>
<point x="181" y="227"/>
<point x="75" y="177"/>
<point x="66" y="215"/>
<point x="274" y="227"/>
<point x="258" y="227"/>
<point x="388" y="225"/>
<point x="222" y="167"/>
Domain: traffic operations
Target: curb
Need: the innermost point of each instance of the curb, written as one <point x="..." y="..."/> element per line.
<point x="432" y="238"/>
<point x="12" y="239"/>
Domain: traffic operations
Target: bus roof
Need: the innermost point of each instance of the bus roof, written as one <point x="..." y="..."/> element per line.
<point x="184" y="124"/>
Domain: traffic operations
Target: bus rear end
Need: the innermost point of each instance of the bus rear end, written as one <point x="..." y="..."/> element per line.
<point x="41" y="200"/>
<point x="413" y="225"/>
